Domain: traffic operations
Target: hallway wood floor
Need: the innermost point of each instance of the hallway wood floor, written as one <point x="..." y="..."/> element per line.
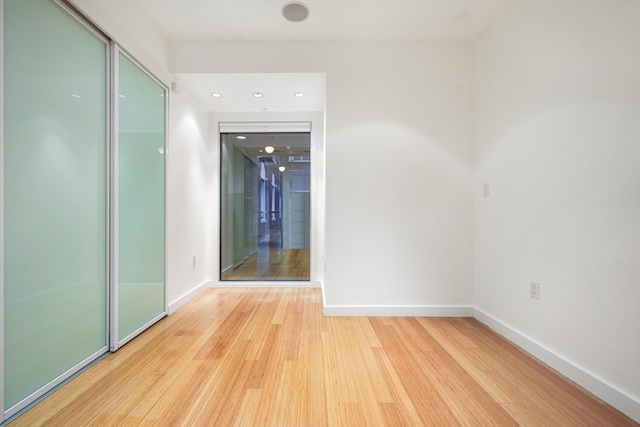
<point x="273" y="263"/>
<point x="267" y="357"/>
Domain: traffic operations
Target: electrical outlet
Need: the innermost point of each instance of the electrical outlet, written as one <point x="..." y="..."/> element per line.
<point x="534" y="290"/>
<point x="194" y="260"/>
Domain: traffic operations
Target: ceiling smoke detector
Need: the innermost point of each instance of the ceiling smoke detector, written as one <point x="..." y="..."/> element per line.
<point x="295" y="11"/>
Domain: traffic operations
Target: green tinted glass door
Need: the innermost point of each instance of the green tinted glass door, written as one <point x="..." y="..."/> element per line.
<point x="140" y="212"/>
<point x="55" y="193"/>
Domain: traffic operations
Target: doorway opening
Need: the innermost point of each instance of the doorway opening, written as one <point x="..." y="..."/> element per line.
<point x="265" y="206"/>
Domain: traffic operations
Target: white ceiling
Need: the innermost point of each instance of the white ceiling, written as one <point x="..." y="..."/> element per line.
<point x="328" y="19"/>
<point x="237" y="91"/>
<point x="220" y="20"/>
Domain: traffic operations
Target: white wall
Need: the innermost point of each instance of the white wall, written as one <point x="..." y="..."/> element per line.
<point x="398" y="159"/>
<point x="190" y="201"/>
<point x="190" y="158"/>
<point x="398" y="162"/>
<point x="399" y="206"/>
<point x="557" y="89"/>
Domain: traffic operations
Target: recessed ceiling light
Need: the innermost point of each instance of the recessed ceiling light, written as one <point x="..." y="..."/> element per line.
<point x="298" y="94"/>
<point x="257" y="95"/>
<point x="295" y="11"/>
<point x="241" y="137"/>
<point x="216" y="95"/>
<point x="282" y="168"/>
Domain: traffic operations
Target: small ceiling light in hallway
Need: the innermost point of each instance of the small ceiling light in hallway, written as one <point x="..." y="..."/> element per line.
<point x="269" y="149"/>
<point x="295" y="11"/>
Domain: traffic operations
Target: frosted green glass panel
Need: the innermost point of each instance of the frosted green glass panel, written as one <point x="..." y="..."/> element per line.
<point x="54" y="195"/>
<point x="141" y="291"/>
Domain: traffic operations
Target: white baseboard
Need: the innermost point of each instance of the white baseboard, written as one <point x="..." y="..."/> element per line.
<point x="399" y="311"/>
<point x="173" y="306"/>
<point x="614" y="397"/>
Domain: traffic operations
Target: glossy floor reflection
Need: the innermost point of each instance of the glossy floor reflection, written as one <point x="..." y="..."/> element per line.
<point x="273" y="263"/>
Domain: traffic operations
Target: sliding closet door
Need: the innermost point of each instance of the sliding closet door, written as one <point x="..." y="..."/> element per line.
<point x="55" y="195"/>
<point x="139" y="202"/>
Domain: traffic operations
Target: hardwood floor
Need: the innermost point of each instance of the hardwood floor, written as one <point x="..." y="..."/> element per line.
<point x="268" y="357"/>
<point x="273" y="263"/>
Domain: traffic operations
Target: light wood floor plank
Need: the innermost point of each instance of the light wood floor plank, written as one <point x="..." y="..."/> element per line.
<point x="269" y="358"/>
<point x="272" y="263"/>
